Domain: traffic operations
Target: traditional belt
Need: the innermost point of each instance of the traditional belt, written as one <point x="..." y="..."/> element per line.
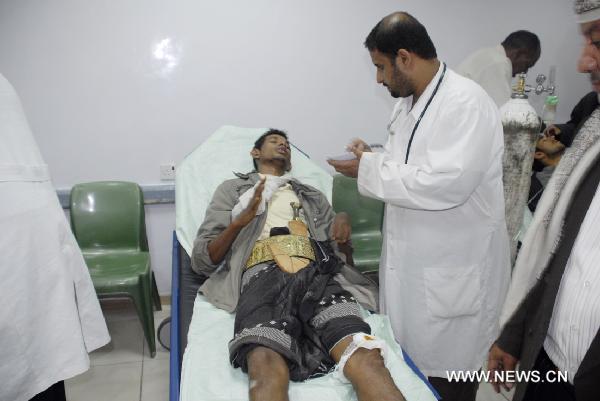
<point x="292" y="245"/>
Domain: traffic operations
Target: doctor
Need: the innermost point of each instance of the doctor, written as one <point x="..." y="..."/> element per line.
<point x="444" y="268"/>
<point x="50" y="316"/>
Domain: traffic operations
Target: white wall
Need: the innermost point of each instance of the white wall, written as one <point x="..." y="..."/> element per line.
<point x="104" y="105"/>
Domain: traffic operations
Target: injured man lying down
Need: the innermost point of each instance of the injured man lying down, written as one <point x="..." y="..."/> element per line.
<point x="267" y="244"/>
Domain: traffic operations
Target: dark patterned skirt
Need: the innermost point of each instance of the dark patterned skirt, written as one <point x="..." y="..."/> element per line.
<point x="301" y="316"/>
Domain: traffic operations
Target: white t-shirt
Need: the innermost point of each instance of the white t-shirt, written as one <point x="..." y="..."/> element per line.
<point x="279" y="212"/>
<point x="492" y="70"/>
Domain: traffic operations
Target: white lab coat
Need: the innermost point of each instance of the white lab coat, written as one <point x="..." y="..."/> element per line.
<point x="50" y="317"/>
<point x="444" y="269"/>
<point x="491" y="69"/>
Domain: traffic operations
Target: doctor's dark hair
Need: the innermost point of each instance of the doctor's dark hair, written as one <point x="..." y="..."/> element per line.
<point x="259" y="142"/>
<point x="397" y="31"/>
<point x="522" y="40"/>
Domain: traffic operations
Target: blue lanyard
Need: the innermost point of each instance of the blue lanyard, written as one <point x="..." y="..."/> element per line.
<point x="412" y="135"/>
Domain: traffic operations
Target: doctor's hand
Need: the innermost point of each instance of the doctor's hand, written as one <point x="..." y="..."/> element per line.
<point x="358" y="146"/>
<point x="349" y="168"/>
<point x="250" y="211"/>
<point x="500" y="360"/>
<point x="341" y="228"/>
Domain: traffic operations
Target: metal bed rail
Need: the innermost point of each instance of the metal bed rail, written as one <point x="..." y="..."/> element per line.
<point x="174" y="356"/>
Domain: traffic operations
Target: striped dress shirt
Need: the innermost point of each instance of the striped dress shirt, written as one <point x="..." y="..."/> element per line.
<point x="576" y="316"/>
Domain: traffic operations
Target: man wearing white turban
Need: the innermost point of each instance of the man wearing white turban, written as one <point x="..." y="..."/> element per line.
<point x="552" y="314"/>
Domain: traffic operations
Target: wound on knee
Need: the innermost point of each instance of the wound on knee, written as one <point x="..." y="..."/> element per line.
<point x="359" y="340"/>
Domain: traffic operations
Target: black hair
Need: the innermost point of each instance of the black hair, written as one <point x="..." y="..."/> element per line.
<point x="259" y="142"/>
<point x="400" y="31"/>
<point x="522" y="40"/>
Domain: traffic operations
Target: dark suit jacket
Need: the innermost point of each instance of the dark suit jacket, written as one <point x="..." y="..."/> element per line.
<point x="580" y="113"/>
<point x="524" y="334"/>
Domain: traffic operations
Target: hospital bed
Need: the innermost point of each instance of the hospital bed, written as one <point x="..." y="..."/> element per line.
<point x="199" y="369"/>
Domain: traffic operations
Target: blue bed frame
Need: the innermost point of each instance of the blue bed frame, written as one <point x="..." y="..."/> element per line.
<point x="175" y="353"/>
<point x="174" y="357"/>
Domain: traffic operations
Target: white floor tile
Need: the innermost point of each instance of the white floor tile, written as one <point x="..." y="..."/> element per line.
<point x="508" y="396"/>
<point x="120" y="382"/>
<point x="155" y="380"/>
<point x="127" y="341"/>
<point x="118" y="309"/>
<point x="486" y="393"/>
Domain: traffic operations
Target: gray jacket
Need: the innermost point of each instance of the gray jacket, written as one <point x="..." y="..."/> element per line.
<point x="222" y="288"/>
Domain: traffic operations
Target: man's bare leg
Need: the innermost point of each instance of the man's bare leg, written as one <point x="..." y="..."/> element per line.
<point x="367" y="373"/>
<point x="268" y="375"/>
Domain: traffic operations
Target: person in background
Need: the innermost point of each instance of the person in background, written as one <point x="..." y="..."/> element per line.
<point x="440" y="176"/>
<point x="582" y="110"/>
<point x="494" y="67"/>
<point x="548" y="151"/>
<point x="50" y="317"/>
<point x="551" y="318"/>
<point x="558" y="136"/>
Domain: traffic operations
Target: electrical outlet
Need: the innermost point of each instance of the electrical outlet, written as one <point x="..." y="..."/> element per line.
<point x="167" y="172"/>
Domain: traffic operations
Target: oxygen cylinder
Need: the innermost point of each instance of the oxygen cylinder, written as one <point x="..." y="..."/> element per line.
<point x="521" y="129"/>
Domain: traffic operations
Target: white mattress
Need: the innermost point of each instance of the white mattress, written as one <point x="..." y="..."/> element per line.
<point x="207" y="375"/>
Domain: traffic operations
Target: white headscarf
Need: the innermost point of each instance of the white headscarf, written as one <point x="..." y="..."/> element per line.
<point x="587" y="10"/>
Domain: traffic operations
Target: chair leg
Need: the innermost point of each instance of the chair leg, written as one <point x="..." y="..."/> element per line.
<point x="143" y="304"/>
<point x="155" y="295"/>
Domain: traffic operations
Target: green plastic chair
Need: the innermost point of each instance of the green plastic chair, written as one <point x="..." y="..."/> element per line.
<point x="108" y="221"/>
<point x="367" y="220"/>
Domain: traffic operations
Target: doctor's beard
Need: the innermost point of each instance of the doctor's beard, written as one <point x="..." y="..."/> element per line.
<point x="401" y="85"/>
